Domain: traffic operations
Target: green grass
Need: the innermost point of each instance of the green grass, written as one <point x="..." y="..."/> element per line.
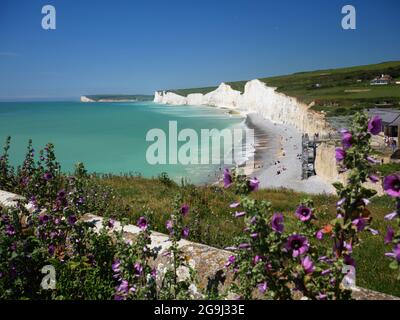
<point x="333" y="96"/>
<point x="211" y="220"/>
<point x="117" y="97"/>
<point x="388" y="168"/>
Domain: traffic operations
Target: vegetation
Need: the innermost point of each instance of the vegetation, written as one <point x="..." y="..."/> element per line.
<point x="284" y="243"/>
<point x="120" y="97"/>
<point x="335" y="91"/>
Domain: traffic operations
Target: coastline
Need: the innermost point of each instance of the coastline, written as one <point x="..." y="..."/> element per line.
<point x="277" y="158"/>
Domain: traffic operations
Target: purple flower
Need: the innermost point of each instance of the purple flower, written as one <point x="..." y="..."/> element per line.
<point x="319" y="234"/>
<point x="61" y="194"/>
<point x="254" y="235"/>
<point x="169" y="225"/>
<point x="234" y="205"/>
<point x="116" y="266"/>
<point x="391" y="184"/>
<point x="374" y="178"/>
<point x="262" y="287"/>
<point x="372" y="160"/>
<point x="185" y="232"/>
<point x="360" y="224"/>
<point x="244" y="246"/>
<point x="375" y="125"/>
<point x="322" y="296"/>
<point x="340" y="154"/>
<point x="123" y="287"/>
<point x="184" y="209"/>
<point x="10" y="230"/>
<point x="349" y="260"/>
<point x="341" y="202"/>
<point x="256" y="259"/>
<point x="240" y="214"/>
<point x="391" y="216"/>
<point x="277" y="222"/>
<point x="303" y="213"/>
<point x="72" y="220"/>
<point x="138" y="268"/>
<point x="227" y="178"/>
<point x="395" y="253"/>
<point x="297" y="244"/>
<point x="231" y="261"/>
<point x="253" y="184"/>
<point x="347" y="139"/>
<point x="44" y="218"/>
<point x="307" y="265"/>
<point x="389" y="235"/>
<point x="142" y="223"/>
<point x="110" y="223"/>
<point x="325" y="272"/>
<point x="373" y="231"/>
<point x="47" y="176"/>
<point x="51" y="249"/>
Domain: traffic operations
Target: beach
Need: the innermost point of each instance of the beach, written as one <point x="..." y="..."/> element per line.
<point x="277" y="159"/>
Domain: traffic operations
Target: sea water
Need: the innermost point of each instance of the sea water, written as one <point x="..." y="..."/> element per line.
<point x="109" y="137"/>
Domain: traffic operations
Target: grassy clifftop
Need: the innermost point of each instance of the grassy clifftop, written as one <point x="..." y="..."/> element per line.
<point x="336" y="91"/>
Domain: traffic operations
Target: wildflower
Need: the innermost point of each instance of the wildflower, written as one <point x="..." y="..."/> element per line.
<point x="340" y="154"/>
<point x="319" y="235"/>
<point x="240" y="214"/>
<point x="395" y="253"/>
<point x="184" y="209"/>
<point x="372" y="160"/>
<point x="43" y="219"/>
<point x="349" y="260"/>
<point x="391" y="184"/>
<point x="256" y="259"/>
<point x="244" y="246"/>
<point x="277" y="222"/>
<point x="262" y="287"/>
<point x="391" y="216"/>
<point x="110" y="223"/>
<point x="375" y="125"/>
<point x="373" y="231"/>
<point x="325" y="272"/>
<point x="303" y="213"/>
<point x="322" y="296"/>
<point x="389" y="235"/>
<point x="72" y="220"/>
<point x="169" y="225"/>
<point x="341" y="202"/>
<point x="48" y="176"/>
<point x="142" y="223"/>
<point x="374" y="178"/>
<point x="185" y="232"/>
<point x="116" y="266"/>
<point x="138" y="268"/>
<point x="254" y="235"/>
<point x="10" y="230"/>
<point x="234" y="205"/>
<point x="359" y="223"/>
<point x="61" y="194"/>
<point x="51" y="249"/>
<point x="347" y="139"/>
<point x="227" y="178"/>
<point x="231" y="261"/>
<point x="253" y="184"/>
<point x="307" y="265"/>
<point x="297" y="244"/>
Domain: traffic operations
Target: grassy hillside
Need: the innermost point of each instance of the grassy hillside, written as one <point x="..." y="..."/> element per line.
<point x="335" y="91"/>
<point x="211" y="220"/>
<point x="120" y="97"/>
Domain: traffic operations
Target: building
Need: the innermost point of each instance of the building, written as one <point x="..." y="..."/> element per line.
<point x="384" y="79"/>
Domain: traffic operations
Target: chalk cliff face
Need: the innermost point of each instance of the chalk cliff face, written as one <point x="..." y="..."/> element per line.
<point x="256" y="98"/>
<point x="86" y="99"/>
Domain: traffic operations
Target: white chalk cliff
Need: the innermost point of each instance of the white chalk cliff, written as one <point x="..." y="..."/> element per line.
<point x="256" y="98"/>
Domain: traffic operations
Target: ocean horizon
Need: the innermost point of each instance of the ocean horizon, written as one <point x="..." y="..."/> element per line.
<point x="109" y="138"/>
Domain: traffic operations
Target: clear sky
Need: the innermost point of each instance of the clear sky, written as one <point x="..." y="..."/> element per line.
<point x="132" y="46"/>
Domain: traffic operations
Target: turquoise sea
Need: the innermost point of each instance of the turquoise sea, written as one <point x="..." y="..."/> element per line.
<point x="107" y="137"/>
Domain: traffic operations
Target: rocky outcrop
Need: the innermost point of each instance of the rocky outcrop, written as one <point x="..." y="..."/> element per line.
<point x="326" y="168"/>
<point x="256" y="98"/>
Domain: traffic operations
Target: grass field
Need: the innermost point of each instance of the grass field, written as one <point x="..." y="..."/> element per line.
<point x="211" y="220"/>
<point x="339" y="92"/>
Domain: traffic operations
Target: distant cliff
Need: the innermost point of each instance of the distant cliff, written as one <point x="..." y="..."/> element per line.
<point x="256" y="98"/>
<point x="115" y="98"/>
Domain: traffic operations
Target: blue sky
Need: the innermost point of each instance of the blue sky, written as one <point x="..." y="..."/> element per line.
<point x="132" y="46"/>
